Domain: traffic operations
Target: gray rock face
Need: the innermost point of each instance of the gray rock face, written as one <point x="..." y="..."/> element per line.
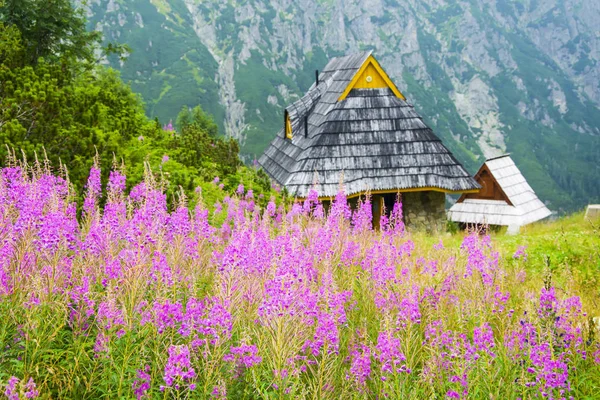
<point x="284" y="32"/>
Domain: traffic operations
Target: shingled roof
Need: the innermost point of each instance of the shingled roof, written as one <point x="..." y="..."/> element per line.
<point x="371" y="139"/>
<point x="516" y="205"/>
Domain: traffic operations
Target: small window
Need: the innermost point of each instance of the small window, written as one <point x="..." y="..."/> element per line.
<point x="288" y="126"/>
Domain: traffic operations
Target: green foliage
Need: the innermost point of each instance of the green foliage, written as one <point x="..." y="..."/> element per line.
<point x="169" y="66"/>
<point x="50" y="29"/>
<point x="255" y="83"/>
<point x="387" y="17"/>
<point x="444" y="14"/>
<point x="68" y="117"/>
<point x="539" y="150"/>
<point x="59" y="107"/>
<point x="198" y="118"/>
<point x="197" y="145"/>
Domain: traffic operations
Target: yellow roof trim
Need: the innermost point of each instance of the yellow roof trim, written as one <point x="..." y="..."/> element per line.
<point x="371" y="61"/>
<point x="423" y="189"/>
<point x="288" y="126"/>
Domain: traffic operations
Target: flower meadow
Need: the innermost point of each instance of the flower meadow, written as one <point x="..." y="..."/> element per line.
<point x="128" y="299"/>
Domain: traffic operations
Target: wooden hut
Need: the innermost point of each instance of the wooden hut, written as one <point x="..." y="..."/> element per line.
<point x="354" y="125"/>
<point x="505" y="199"/>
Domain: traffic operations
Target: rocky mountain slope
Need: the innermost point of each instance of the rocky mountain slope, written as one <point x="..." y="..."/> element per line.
<point x="490" y="76"/>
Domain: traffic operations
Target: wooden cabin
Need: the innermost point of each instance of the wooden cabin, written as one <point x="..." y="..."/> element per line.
<point x="354" y="126"/>
<point x="505" y="198"/>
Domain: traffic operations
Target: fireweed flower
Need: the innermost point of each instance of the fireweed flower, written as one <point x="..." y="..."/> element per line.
<point x="326" y="335"/>
<point x="549" y="371"/>
<point x="340" y="208"/>
<point x="179" y="223"/>
<point x="94" y="189"/>
<point x="451" y="394"/>
<point x="477" y="259"/>
<point x="112" y="271"/>
<point x="350" y="253"/>
<point x="521" y="253"/>
<point x="142" y="382"/>
<point x="101" y="345"/>
<point x="276" y="266"/>
<point x="219" y="392"/>
<point x="82" y="306"/>
<point x="311" y="201"/>
<point x="166" y="315"/>
<point x="243" y="356"/>
<point x="56" y="229"/>
<point x="286" y="295"/>
<point x="161" y="271"/>
<point x="452" y="352"/>
<point x="396" y="221"/>
<point x="179" y="372"/>
<point x="116" y="183"/>
<point x="389" y="356"/>
<point x="31" y="391"/>
<point x="483" y="339"/>
<point x="271" y="208"/>
<point x="11" y="391"/>
<point x="362" y="219"/>
<point x="596" y="355"/>
<point x="548" y="302"/>
<point x="218" y="208"/>
<point x="110" y="316"/>
<point x="360" y="366"/>
<point x="519" y="341"/>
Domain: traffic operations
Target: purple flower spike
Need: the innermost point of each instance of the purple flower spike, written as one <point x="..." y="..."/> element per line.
<point x="11" y="391"/>
<point x="179" y="369"/>
<point x="30" y="390"/>
<point x="141" y="384"/>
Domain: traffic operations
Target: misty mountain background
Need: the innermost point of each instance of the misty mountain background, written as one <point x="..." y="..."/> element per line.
<point x="488" y="76"/>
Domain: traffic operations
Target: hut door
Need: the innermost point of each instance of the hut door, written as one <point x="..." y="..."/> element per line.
<point x="377" y="207"/>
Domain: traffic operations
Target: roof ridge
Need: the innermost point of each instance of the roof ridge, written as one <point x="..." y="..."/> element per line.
<point x="497" y="157"/>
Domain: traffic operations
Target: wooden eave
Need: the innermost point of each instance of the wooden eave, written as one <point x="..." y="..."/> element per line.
<point x="393" y="191"/>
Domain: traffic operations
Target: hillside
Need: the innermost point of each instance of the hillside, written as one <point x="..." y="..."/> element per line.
<point x="488" y="76"/>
